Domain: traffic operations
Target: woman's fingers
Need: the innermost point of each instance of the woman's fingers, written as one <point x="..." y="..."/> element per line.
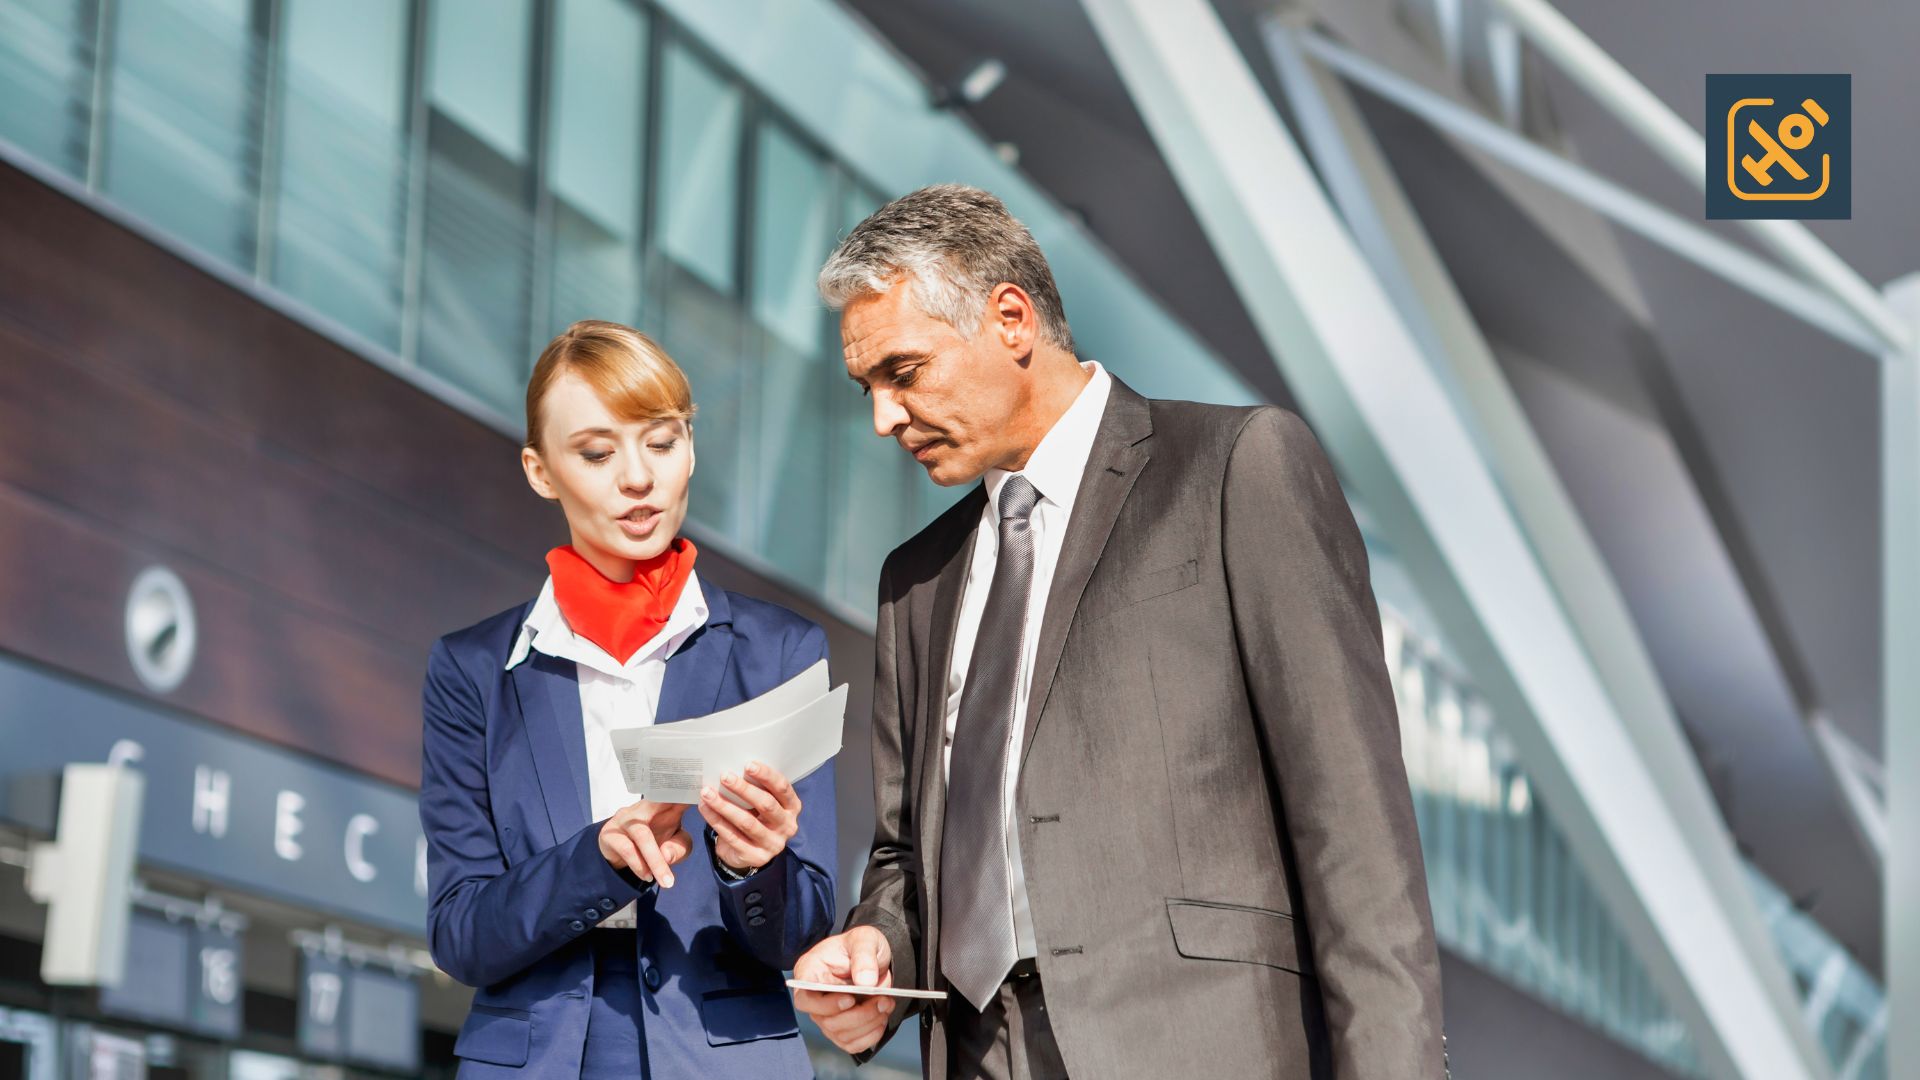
<point x="775" y="783"/>
<point x="745" y="822"/>
<point x="657" y="865"/>
<point x="734" y="849"/>
<point x="623" y="849"/>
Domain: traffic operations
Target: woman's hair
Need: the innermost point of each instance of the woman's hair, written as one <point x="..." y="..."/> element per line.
<point x="628" y="370"/>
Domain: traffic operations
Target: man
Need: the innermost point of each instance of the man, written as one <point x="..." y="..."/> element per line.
<point x="1140" y="805"/>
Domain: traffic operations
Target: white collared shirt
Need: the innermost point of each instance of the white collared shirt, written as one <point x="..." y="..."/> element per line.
<point x="612" y="695"/>
<point x="1054" y="469"/>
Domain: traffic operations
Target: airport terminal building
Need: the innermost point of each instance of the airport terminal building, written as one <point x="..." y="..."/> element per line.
<point x="273" y="274"/>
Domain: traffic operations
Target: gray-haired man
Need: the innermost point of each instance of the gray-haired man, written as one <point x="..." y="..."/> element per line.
<point x="1140" y="805"/>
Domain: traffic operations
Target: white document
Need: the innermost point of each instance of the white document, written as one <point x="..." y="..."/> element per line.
<point x="795" y="728"/>
<point x="869" y="991"/>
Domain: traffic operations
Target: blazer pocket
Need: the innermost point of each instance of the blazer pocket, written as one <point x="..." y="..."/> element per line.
<point x="496" y="1036"/>
<point x="1210" y="931"/>
<point x="1161" y="582"/>
<point x="737" y="1016"/>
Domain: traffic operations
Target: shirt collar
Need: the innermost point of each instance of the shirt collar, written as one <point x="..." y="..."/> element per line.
<point x="1055" y="466"/>
<point x="546" y="629"/>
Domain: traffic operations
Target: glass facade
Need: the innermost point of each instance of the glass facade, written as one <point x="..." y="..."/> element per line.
<point x="447" y="185"/>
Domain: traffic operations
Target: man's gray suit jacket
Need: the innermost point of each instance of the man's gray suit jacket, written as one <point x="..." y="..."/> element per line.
<point x="1216" y="832"/>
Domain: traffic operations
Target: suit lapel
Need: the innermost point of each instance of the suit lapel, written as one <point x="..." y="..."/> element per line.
<point x="931" y="737"/>
<point x="694" y="674"/>
<point x="549" y="693"/>
<point x="1112" y="467"/>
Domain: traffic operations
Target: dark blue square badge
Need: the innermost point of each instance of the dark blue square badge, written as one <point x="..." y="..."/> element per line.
<point x="1779" y="146"/>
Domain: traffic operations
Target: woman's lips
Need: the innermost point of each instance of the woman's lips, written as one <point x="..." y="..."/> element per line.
<point x="640" y="524"/>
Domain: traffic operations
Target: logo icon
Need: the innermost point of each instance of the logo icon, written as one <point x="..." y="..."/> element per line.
<point x="1779" y="146"/>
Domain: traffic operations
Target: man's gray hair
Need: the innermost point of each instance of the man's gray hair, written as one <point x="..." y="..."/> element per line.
<point x="955" y="243"/>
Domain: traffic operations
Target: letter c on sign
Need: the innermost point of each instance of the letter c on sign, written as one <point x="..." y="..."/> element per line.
<point x="359" y="828"/>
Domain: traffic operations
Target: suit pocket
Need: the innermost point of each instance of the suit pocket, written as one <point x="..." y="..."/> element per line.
<point x="1161" y="582"/>
<point x="1209" y="931"/>
<point x="496" y="1036"/>
<point x="737" y="1016"/>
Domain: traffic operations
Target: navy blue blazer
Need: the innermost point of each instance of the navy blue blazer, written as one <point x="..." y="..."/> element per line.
<point x="516" y="879"/>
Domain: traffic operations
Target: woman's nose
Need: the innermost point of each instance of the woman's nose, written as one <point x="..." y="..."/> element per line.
<point x="635" y="476"/>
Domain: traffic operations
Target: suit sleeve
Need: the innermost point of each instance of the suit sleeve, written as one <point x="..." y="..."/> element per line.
<point x="487" y="921"/>
<point x="890" y="888"/>
<point x="780" y="910"/>
<point x="1309" y="638"/>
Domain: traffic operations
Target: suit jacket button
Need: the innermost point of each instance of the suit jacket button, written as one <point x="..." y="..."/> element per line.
<point x="753" y="897"/>
<point x="576" y="926"/>
<point x="653" y="978"/>
<point x="591" y="914"/>
<point x="757" y="920"/>
<point x="756" y="911"/>
<point x="606" y="903"/>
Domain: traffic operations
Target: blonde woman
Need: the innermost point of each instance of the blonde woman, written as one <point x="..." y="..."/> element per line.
<point x="606" y="936"/>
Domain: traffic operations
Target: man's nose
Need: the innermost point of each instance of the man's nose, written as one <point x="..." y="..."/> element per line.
<point x="888" y="415"/>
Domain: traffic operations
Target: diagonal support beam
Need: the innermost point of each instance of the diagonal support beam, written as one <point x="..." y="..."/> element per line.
<point x="1900" y="559"/>
<point x="1404" y="444"/>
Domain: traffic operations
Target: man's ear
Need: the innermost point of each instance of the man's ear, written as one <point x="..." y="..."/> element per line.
<point x="536" y="472"/>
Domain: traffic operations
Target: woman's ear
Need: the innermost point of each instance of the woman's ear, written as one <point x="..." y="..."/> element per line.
<point x="536" y="471"/>
<point x="691" y="457"/>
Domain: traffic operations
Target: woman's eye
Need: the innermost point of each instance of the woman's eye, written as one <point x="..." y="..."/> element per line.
<point x="665" y="447"/>
<point x="595" y="457"/>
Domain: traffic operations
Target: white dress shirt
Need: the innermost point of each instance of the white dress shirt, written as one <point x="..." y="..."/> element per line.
<point x="612" y="695"/>
<point x="1054" y="470"/>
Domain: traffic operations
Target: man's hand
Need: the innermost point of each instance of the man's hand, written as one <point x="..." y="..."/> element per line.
<point x="749" y="839"/>
<point x="647" y="838"/>
<point x="859" y="957"/>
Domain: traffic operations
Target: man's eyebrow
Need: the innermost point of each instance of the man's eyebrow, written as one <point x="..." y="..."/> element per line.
<point x="891" y="360"/>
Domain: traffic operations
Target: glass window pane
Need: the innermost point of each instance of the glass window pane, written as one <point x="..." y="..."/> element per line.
<point x="479" y="75"/>
<point x="339" y="238"/>
<point x="479" y="221"/>
<point x="794" y="211"/>
<point x="180" y="150"/>
<point x="46" y="80"/>
<point x="595" y="161"/>
<point x="697" y="214"/>
<point x="793" y="220"/>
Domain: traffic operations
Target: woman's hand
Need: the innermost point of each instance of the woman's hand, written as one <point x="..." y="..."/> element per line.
<point x="749" y="839"/>
<point x="647" y="838"/>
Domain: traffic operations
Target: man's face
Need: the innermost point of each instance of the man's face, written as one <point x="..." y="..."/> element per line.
<point x="946" y="399"/>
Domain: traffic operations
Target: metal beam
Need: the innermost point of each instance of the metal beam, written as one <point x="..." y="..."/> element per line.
<point x="1675" y="141"/>
<point x="1900" y="559"/>
<point x="1656" y="223"/>
<point x="1404" y="445"/>
<point x="1387" y="230"/>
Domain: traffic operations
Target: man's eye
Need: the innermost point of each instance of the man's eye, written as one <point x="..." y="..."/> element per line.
<point x="905" y="378"/>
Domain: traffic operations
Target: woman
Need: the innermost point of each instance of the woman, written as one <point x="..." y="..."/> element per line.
<point x="608" y="936"/>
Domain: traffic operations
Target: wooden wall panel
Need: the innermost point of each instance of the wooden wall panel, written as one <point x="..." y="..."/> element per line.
<point x="330" y="519"/>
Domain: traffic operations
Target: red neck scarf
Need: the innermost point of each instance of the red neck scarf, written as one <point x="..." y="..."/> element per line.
<point x="620" y="616"/>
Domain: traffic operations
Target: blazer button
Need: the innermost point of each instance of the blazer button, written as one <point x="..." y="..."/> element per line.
<point x="606" y="904"/>
<point x="653" y="978"/>
<point x="591" y="914"/>
<point x="757" y="920"/>
<point x="756" y="911"/>
<point x="753" y="897"/>
<point x="576" y="926"/>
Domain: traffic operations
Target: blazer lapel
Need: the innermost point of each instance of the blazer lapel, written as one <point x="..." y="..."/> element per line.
<point x="692" y="684"/>
<point x="931" y="725"/>
<point x="1112" y="467"/>
<point x="549" y="693"/>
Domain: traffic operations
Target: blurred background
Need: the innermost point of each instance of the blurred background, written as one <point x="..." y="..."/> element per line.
<point x="1636" y="485"/>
